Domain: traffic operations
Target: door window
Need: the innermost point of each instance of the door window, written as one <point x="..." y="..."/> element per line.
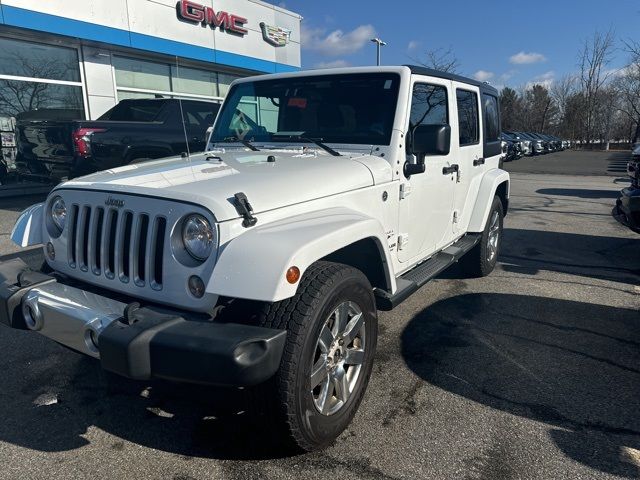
<point x="428" y="105"/>
<point x="468" y="121"/>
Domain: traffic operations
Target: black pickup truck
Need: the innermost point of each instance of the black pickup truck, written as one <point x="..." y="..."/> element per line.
<point x="50" y="151"/>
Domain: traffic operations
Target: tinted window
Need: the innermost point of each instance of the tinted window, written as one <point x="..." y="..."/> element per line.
<point x="467" y="117"/>
<point x="428" y="105"/>
<point x="134" y="111"/>
<point x="200" y="115"/>
<point x="491" y="118"/>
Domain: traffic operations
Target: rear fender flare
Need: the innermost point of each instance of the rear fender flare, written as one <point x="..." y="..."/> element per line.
<point x="488" y="187"/>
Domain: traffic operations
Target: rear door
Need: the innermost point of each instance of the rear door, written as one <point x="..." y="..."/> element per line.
<point x="471" y="164"/>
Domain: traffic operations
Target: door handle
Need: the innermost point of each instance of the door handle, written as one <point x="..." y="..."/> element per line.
<point x="478" y="161"/>
<point x="449" y="170"/>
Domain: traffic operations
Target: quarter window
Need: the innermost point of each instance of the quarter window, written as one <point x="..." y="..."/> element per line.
<point x="468" y="122"/>
<point x="491" y="118"/>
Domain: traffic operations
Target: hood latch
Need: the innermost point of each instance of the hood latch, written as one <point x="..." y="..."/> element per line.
<point x="244" y="208"/>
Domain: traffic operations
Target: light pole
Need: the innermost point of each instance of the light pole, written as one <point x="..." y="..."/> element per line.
<point x="379" y="43"/>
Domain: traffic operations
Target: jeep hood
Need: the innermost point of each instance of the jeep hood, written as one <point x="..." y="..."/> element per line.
<point x="211" y="180"/>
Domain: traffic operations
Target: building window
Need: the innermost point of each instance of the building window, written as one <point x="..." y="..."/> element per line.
<point x="468" y="121"/>
<point x="34" y="60"/>
<point x="144" y="79"/>
<point x="39" y="81"/>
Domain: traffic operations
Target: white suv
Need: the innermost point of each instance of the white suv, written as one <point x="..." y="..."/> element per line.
<point x="324" y="196"/>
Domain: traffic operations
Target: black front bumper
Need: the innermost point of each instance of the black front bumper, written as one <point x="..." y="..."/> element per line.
<point x="170" y="346"/>
<point x="145" y="342"/>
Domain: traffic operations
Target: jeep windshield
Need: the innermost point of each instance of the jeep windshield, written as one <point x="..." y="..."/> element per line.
<point x="354" y="108"/>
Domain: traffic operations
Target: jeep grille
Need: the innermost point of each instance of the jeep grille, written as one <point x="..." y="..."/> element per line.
<point x="117" y="244"/>
<point x="132" y="245"/>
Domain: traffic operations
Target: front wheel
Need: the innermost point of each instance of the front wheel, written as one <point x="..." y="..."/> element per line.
<point x="481" y="259"/>
<point x="331" y="328"/>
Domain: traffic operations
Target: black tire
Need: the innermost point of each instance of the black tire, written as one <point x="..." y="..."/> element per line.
<point x="478" y="262"/>
<point x="324" y="286"/>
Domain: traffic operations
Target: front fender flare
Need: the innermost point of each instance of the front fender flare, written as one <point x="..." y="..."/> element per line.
<point x="254" y="264"/>
<point x="488" y="187"/>
<point x="27" y="230"/>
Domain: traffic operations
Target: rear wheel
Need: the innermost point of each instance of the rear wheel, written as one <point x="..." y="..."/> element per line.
<point x="331" y="328"/>
<point x="481" y="259"/>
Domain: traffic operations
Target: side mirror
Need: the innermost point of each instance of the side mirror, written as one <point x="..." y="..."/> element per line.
<point x="427" y="140"/>
<point x="431" y="140"/>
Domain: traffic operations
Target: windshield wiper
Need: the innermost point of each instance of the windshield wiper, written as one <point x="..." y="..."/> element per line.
<point x="244" y="142"/>
<point x="317" y="141"/>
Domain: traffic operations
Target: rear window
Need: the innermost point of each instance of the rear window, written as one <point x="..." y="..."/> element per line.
<point x="134" y="111"/>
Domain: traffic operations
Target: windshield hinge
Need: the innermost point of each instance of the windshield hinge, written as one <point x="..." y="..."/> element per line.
<point x="405" y="190"/>
<point x="244" y="208"/>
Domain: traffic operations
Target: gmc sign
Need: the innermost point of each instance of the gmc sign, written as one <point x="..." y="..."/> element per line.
<point x="196" y="13"/>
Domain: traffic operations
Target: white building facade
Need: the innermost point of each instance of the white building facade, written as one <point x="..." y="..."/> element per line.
<point x="81" y="58"/>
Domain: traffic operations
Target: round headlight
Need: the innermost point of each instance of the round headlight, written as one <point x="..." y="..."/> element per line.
<point x="59" y="212"/>
<point x="198" y="237"/>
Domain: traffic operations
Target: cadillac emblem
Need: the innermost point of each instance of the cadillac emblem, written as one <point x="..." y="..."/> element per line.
<point x="276" y="36"/>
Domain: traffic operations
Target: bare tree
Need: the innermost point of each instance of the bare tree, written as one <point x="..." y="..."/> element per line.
<point x="440" y="59"/>
<point x="561" y="92"/>
<point x="628" y="86"/>
<point x="593" y="59"/>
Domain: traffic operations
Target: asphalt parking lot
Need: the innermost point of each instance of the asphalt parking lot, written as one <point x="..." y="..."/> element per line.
<point x="531" y="373"/>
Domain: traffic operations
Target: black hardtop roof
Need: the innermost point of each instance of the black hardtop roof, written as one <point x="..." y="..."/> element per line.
<point x="484" y="87"/>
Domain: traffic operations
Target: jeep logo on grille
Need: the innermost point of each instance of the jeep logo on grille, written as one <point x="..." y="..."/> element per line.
<point x="114" y="202"/>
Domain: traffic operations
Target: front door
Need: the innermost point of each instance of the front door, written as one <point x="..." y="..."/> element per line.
<point x="427" y="198"/>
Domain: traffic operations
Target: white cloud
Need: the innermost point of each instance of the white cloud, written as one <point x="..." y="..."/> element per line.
<point x="337" y="42"/>
<point x="527" y="57"/>
<point x="546" y="80"/>
<point x="507" y="75"/>
<point x="332" y="64"/>
<point x="483" y="75"/>
<point x="413" y="44"/>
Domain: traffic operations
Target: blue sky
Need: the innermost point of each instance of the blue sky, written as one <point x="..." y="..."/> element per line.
<point x="505" y="42"/>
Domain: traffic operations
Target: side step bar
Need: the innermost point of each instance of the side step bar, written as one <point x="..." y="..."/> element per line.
<point x="418" y="276"/>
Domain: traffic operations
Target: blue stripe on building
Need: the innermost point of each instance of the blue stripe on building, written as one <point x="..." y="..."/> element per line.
<point x="20" y="17"/>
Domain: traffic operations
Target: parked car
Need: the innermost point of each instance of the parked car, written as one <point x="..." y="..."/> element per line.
<point x="525" y="144"/>
<point x="628" y="205"/>
<point x="51" y="151"/>
<point x="537" y="144"/>
<point x="266" y="258"/>
<point x="512" y="146"/>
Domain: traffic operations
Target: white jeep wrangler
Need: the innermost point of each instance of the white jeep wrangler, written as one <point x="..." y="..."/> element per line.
<point x="323" y="197"/>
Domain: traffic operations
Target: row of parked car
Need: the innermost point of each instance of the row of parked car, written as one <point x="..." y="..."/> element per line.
<point x="516" y="145"/>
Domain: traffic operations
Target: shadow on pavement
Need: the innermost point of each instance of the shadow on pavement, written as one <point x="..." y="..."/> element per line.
<point x="183" y="419"/>
<point x="579" y="192"/>
<point x="608" y="258"/>
<point x="574" y="366"/>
